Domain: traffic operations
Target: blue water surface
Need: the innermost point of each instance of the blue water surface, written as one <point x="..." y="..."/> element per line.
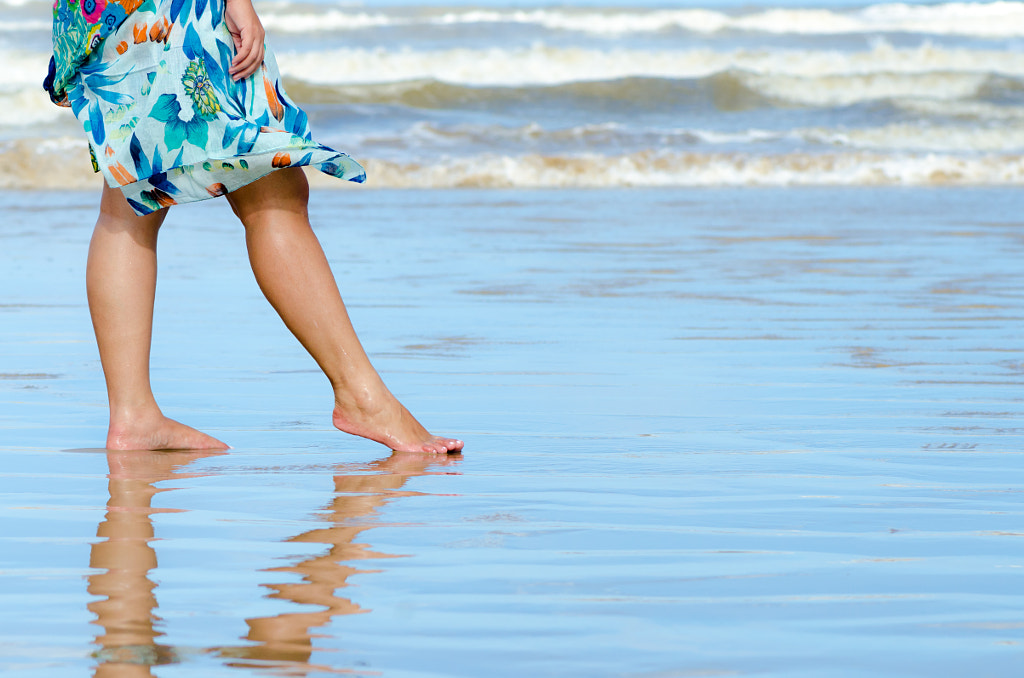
<point x="709" y="432"/>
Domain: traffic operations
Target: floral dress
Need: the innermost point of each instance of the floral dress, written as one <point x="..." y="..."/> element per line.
<point x="149" y="82"/>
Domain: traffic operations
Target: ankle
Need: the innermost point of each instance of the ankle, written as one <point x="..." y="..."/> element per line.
<point x="364" y="400"/>
<point x="125" y="417"/>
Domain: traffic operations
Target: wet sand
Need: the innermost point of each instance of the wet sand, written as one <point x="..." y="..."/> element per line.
<point x="709" y="432"/>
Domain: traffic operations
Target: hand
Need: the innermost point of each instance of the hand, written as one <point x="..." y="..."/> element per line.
<point x="247" y="32"/>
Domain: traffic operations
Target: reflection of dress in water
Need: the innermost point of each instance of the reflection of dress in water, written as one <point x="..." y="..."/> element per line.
<point x="166" y="123"/>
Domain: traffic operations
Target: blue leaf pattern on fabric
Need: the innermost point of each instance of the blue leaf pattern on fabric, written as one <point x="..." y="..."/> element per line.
<point x="193" y="47"/>
<point x="176" y="7"/>
<point x="139" y="156"/>
<point x="157" y="166"/>
<point x="250" y="133"/>
<point x="99" y="135"/>
<point x="138" y="207"/>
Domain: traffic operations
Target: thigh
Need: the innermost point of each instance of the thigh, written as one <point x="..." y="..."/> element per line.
<point x="284" y="190"/>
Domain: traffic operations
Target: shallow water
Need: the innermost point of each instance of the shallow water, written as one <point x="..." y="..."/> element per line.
<point x="730" y="432"/>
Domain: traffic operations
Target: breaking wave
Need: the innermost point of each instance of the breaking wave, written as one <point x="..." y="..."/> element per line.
<point x="64" y="163"/>
<point x="547" y="65"/>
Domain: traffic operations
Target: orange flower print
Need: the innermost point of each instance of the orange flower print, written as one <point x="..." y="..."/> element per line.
<point x="122" y="47"/>
<point x="282" y="159"/>
<point x="140" y="31"/>
<point x="129" y="5"/>
<point x="216" y="189"/>
<point x="121" y="174"/>
<point x="160" y="30"/>
<point x="276" y="109"/>
<point x="160" y="197"/>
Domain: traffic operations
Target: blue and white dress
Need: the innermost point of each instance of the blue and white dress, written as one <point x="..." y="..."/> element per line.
<point x="166" y="123"/>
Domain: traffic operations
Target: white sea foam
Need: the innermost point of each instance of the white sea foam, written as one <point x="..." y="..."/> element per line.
<point x="27" y="108"/>
<point x="22" y="68"/>
<point x="547" y="65"/>
<point x="844" y="90"/>
<point x="692" y="169"/>
<point x="468" y="137"/>
<point x="949" y="78"/>
<point x="34" y="163"/>
<point x="995" y="19"/>
<point x="428" y="138"/>
<point x="801" y="75"/>
<point x="19" y="26"/>
<point x="981" y="19"/>
<point x="923" y="137"/>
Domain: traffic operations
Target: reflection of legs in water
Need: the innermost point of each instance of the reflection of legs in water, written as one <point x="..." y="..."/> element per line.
<point x="289" y="637"/>
<point x="127" y="612"/>
<point x="293" y="273"/>
<point x="121" y="279"/>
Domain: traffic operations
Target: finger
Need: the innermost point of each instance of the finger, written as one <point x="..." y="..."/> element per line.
<point x="248" y="59"/>
<point x="257" y="60"/>
<point x="242" y="51"/>
<point x="250" y="64"/>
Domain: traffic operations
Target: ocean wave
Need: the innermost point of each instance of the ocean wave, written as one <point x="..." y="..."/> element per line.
<point x="434" y="138"/>
<point x="64" y="164"/>
<point x="962" y="111"/>
<point x="920" y="137"/>
<point x="845" y="90"/>
<point x="774" y="71"/>
<point x="1000" y="19"/>
<point x="994" y="19"/>
<point x="653" y="169"/>
<point x="961" y="97"/>
<point x="726" y="91"/>
<point x="20" y="26"/>
<point x="425" y="137"/>
<point x="541" y="64"/>
<point x="28" y="107"/>
<point x="22" y="68"/>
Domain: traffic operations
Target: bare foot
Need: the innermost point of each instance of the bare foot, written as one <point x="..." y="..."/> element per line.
<point x="157" y="432"/>
<point x="385" y="420"/>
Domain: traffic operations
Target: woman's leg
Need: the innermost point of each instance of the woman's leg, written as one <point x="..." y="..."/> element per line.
<point x="121" y="281"/>
<point x="293" y="273"/>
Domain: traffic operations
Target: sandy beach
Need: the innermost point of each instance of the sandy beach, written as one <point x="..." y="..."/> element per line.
<point x="717" y="432"/>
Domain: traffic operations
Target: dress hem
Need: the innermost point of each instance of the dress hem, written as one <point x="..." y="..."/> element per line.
<point x="217" y="177"/>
